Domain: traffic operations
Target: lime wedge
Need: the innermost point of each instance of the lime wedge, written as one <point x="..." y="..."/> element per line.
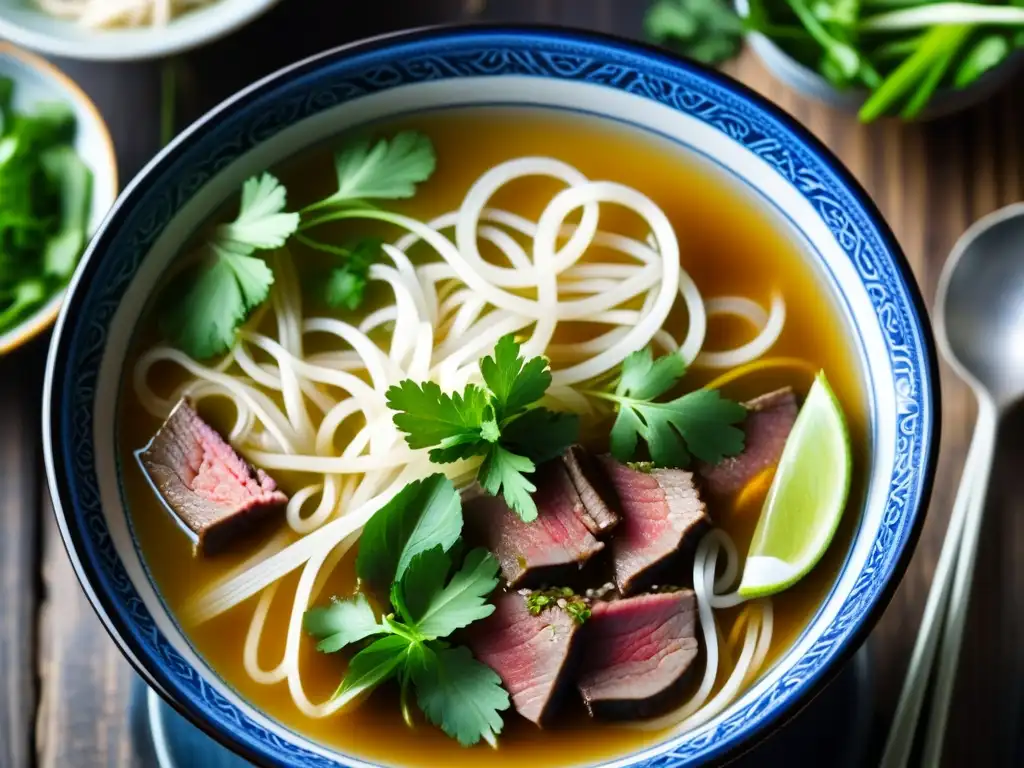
<point x="806" y="498"/>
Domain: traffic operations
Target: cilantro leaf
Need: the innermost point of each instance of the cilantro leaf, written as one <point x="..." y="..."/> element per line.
<point x="706" y="30"/>
<point x="341" y="623"/>
<point x="73" y="179"/>
<point x="505" y="472"/>
<point x="514" y="382"/>
<point x="389" y="169"/>
<point x="261" y="223"/>
<point x="423" y="515"/>
<point x="202" y="315"/>
<point x="439" y="612"/>
<point x="425" y="577"/>
<point x="346" y="285"/>
<point x="372" y="666"/>
<point x="540" y="434"/>
<point x="700" y="422"/>
<point x="459" y="694"/>
<point x="430" y="417"/>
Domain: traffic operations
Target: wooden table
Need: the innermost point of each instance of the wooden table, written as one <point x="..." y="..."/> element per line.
<point x="64" y="687"/>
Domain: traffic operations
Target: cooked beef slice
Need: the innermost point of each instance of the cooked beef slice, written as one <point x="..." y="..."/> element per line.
<point x="535" y="656"/>
<point x="662" y="519"/>
<point x="549" y="550"/>
<point x="214" y="493"/>
<point x="767" y="426"/>
<point x="598" y="497"/>
<point x="637" y="655"/>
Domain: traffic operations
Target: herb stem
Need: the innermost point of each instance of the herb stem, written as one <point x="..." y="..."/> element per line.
<point x="944" y="14"/>
<point x="955" y="38"/>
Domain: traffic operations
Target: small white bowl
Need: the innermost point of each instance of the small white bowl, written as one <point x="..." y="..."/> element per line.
<point x="36" y="80"/>
<point x="24" y="23"/>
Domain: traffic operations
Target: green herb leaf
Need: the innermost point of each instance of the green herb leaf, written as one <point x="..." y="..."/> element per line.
<point x="424" y="578"/>
<point x="423" y="515"/>
<point x="700" y="422"/>
<point x="705" y="30"/>
<point x="429" y="417"/>
<point x="372" y="666"/>
<point x="504" y="473"/>
<point x="261" y="223"/>
<point x="459" y="694"/>
<point x="513" y="382"/>
<point x="73" y="179"/>
<point x="204" y="309"/>
<point x="540" y="434"/>
<point x="18" y="301"/>
<point x="346" y="285"/>
<point x="439" y="612"/>
<point x="389" y="169"/>
<point x="341" y="623"/>
<point x="988" y="52"/>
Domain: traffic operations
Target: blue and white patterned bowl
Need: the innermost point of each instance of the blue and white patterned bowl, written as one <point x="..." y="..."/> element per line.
<point x="862" y="272"/>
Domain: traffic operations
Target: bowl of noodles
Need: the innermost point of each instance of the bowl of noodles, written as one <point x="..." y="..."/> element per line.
<point x="123" y="30"/>
<point x="491" y="393"/>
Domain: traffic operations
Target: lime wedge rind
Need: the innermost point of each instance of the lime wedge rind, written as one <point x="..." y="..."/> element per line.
<point x="806" y="500"/>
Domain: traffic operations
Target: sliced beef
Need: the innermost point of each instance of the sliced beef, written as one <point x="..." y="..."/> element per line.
<point x="662" y="519"/>
<point x="549" y="550"/>
<point x="767" y="426"/>
<point x="215" y="495"/>
<point x="597" y="495"/>
<point x="535" y="656"/>
<point x="638" y="654"/>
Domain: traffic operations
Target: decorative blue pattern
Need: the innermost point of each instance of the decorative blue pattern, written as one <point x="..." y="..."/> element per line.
<point x="336" y="78"/>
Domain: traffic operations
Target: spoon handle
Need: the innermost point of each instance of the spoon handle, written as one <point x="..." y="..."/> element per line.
<point x="956" y="615"/>
<point x="900" y="740"/>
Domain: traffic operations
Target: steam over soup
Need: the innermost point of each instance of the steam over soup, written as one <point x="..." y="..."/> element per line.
<point x="449" y="431"/>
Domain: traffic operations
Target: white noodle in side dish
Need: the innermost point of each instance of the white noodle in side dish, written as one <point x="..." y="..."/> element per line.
<point x="324" y="414"/>
<point x="113" y="14"/>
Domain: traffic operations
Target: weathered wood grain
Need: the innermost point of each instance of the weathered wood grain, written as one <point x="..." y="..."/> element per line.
<point x="19" y="551"/>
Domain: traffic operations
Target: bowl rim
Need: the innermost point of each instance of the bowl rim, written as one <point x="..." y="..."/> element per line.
<point x="46" y="315"/>
<point x="930" y="394"/>
<point x="150" y="43"/>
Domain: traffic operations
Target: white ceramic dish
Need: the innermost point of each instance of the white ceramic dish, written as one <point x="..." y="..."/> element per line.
<point x="37" y="80"/>
<point x="23" y="23"/>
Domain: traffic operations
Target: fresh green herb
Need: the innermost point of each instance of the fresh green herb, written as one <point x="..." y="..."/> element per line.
<point x="409" y="548"/>
<point x="207" y="303"/>
<point x="45" y="201"/>
<point x="641" y="466"/>
<point x="986" y="54"/>
<point x="700" y="423"/>
<point x="705" y="30"/>
<point x="563" y="598"/>
<point x="499" y="423"/>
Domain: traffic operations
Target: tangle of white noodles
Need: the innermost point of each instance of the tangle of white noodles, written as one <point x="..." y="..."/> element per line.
<point x="324" y="415"/>
<point x="769" y="326"/>
<point x="711" y="595"/>
<point x="108" y="14"/>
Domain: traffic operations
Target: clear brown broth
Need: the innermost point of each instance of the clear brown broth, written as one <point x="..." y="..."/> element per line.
<point x="730" y="245"/>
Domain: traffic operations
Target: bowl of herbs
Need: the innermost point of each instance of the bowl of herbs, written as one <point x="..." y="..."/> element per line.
<point x="911" y="59"/>
<point x="58" y="178"/>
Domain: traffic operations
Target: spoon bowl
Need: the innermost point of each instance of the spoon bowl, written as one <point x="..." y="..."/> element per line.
<point x="979" y="317"/>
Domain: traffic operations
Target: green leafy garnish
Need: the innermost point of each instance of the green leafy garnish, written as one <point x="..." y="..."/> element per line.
<point x="45" y="202"/>
<point x="499" y="422"/>
<point x="346" y="285"/>
<point x="563" y="599"/>
<point x="699" y="423"/>
<point x="205" y="306"/>
<point x="706" y="30"/>
<point x="407" y="550"/>
<point x="387" y="170"/>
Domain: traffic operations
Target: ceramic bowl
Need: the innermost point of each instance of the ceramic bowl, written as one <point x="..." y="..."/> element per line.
<point x="36" y="80"/>
<point x="23" y="23"/>
<point x="761" y="150"/>
<point x="806" y="81"/>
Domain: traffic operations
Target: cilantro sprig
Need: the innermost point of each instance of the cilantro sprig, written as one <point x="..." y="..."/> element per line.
<point x="207" y="303"/>
<point x="408" y="552"/>
<point x="700" y="423"/>
<point x="499" y="421"/>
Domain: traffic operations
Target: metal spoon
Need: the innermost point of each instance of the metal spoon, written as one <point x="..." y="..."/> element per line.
<point x="979" y="326"/>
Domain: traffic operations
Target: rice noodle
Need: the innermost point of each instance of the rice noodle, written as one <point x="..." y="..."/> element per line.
<point x="108" y="14"/>
<point x="323" y="415"/>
